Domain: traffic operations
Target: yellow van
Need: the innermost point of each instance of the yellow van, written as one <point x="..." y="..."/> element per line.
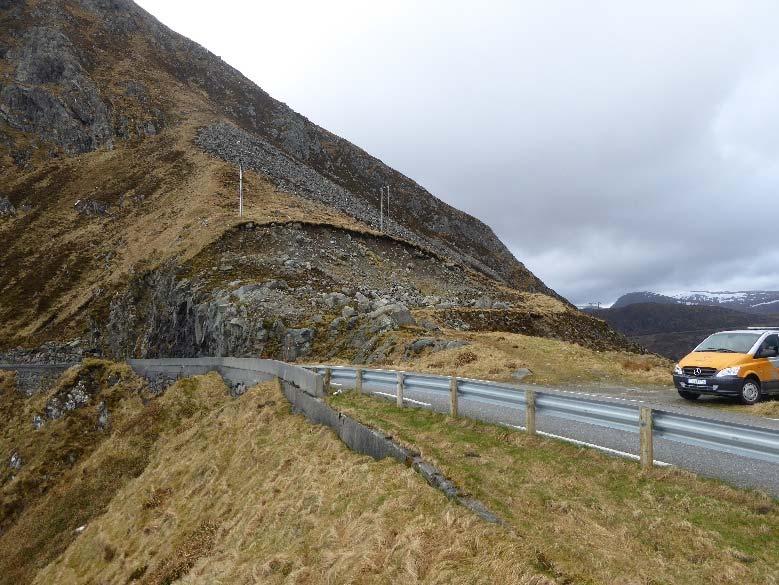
<point x="743" y="363"/>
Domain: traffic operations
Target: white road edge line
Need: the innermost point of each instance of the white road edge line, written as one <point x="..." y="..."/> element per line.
<point x="593" y="446"/>
<point x="608" y="396"/>
<point x="404" y="398"/>
<point x="550" y="435"/>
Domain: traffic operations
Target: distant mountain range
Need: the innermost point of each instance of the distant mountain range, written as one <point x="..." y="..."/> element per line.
<point x="763" y="302"/>
<point x="673" y="324"/>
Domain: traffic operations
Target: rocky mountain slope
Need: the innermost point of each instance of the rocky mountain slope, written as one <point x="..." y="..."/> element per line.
<point x="118" y="148"/>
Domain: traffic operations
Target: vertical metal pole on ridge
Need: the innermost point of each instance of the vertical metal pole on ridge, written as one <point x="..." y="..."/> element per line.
<point x="645" y="430"/>
<point x="453" y="408"/>
<point x="400" y="389"/>
<point x="240" y="189"/>
<point x="530" y="411"/>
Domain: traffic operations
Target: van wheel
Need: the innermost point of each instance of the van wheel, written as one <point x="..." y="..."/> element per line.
<point x="750" y="391"/>
<point x="689" y="395"/>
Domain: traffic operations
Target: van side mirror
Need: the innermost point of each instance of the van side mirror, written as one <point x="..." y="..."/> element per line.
<point x="768" y="352"/>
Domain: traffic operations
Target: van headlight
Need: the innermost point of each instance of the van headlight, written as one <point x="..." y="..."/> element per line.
<point x="678" y="370"/>
<point x="728" y="372"/>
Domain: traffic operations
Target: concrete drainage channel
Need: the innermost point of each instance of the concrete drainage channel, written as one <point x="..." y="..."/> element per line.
<point x="304" y="390"/>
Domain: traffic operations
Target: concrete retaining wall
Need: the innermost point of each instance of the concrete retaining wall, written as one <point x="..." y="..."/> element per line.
<point x="304" y="390"/>
<point x="357" y="436"/>
<point x="34" y="378"/>
<point x="244" y="372"/>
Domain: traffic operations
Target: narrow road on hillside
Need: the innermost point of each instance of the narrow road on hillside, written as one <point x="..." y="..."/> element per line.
<point x="733" y="469"/>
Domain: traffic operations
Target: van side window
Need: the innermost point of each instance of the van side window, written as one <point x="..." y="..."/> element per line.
<point x="772" y="341"/>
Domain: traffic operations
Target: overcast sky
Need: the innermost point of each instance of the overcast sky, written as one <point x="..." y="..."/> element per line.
<point x="613" y="146"/>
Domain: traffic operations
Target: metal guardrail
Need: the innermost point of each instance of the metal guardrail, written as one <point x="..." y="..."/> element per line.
<point x="743" y="440"/>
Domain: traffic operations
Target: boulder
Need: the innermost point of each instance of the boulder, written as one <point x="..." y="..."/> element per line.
<point x="521" y="373"/>
<point x="431" y="300"/>
<point x="335" y="300"/>
<point x="398" y="312"/>
<point x="418" y="345"/>
<point x="16" y="461"/>
<point x="103" y="416"/>
<point x="276" y="284"/>
<point x="363" y="303"/>
<point x="247" y="291"/>
<point x="484" y="302"/>
<point x="76" y="397"/>
<point x="348" y="312"/>
<point x="6" y="208"/>
<point x="91" y="208"/>
<point x="429" y="325"/>
<point x="297" y="342"/>
<point x="238" y="389"/>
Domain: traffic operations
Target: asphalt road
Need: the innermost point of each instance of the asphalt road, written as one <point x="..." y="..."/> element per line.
<point x="733" y="469"/>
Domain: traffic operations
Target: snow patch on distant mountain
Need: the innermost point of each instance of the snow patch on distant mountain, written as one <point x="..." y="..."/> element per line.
<point x="703" y="297"/>
<point x="752" y="301"/>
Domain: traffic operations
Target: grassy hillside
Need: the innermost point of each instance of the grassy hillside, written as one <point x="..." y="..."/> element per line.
<point x="71" y="468"/>
<point x="592" y="518"/>
<point x="199" y="487"/>
<point x="194" y="486"/>
<point x="497" y="355"/>
<point x="166" y="201"/>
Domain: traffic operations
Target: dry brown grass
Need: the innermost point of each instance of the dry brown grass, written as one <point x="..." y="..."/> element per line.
<point x="635" y="365"/>
<point x="7" y="381"/>
<point x="252" y="494"/>
<point x="592" y="518"/>
<point x="196" y="487"/>
<point x="72" y="469"/>
<point x="496" y="355"/>
<point x="465" y="357"/>
<point x="177" y="201"/>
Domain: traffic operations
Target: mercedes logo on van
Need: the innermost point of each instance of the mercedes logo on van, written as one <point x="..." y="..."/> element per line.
<point x="697" y="371"/>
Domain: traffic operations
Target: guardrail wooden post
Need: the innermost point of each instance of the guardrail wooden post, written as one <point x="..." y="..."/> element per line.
<point x="328" y="375"/>
<point x="453" y="394"/>
<point x="645" y="429"/>
<point x="358" y="380"/>
<point x="530" y="411"/>
<point x="400" y="389"/>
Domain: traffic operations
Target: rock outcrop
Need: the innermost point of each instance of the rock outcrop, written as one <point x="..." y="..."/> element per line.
<point x="52" y="96"/>
<point x="6" y="207"/>
<point x="133" y="249"/>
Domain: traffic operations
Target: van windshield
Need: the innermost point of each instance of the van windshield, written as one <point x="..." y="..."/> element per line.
<point x="729" y="342"/>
